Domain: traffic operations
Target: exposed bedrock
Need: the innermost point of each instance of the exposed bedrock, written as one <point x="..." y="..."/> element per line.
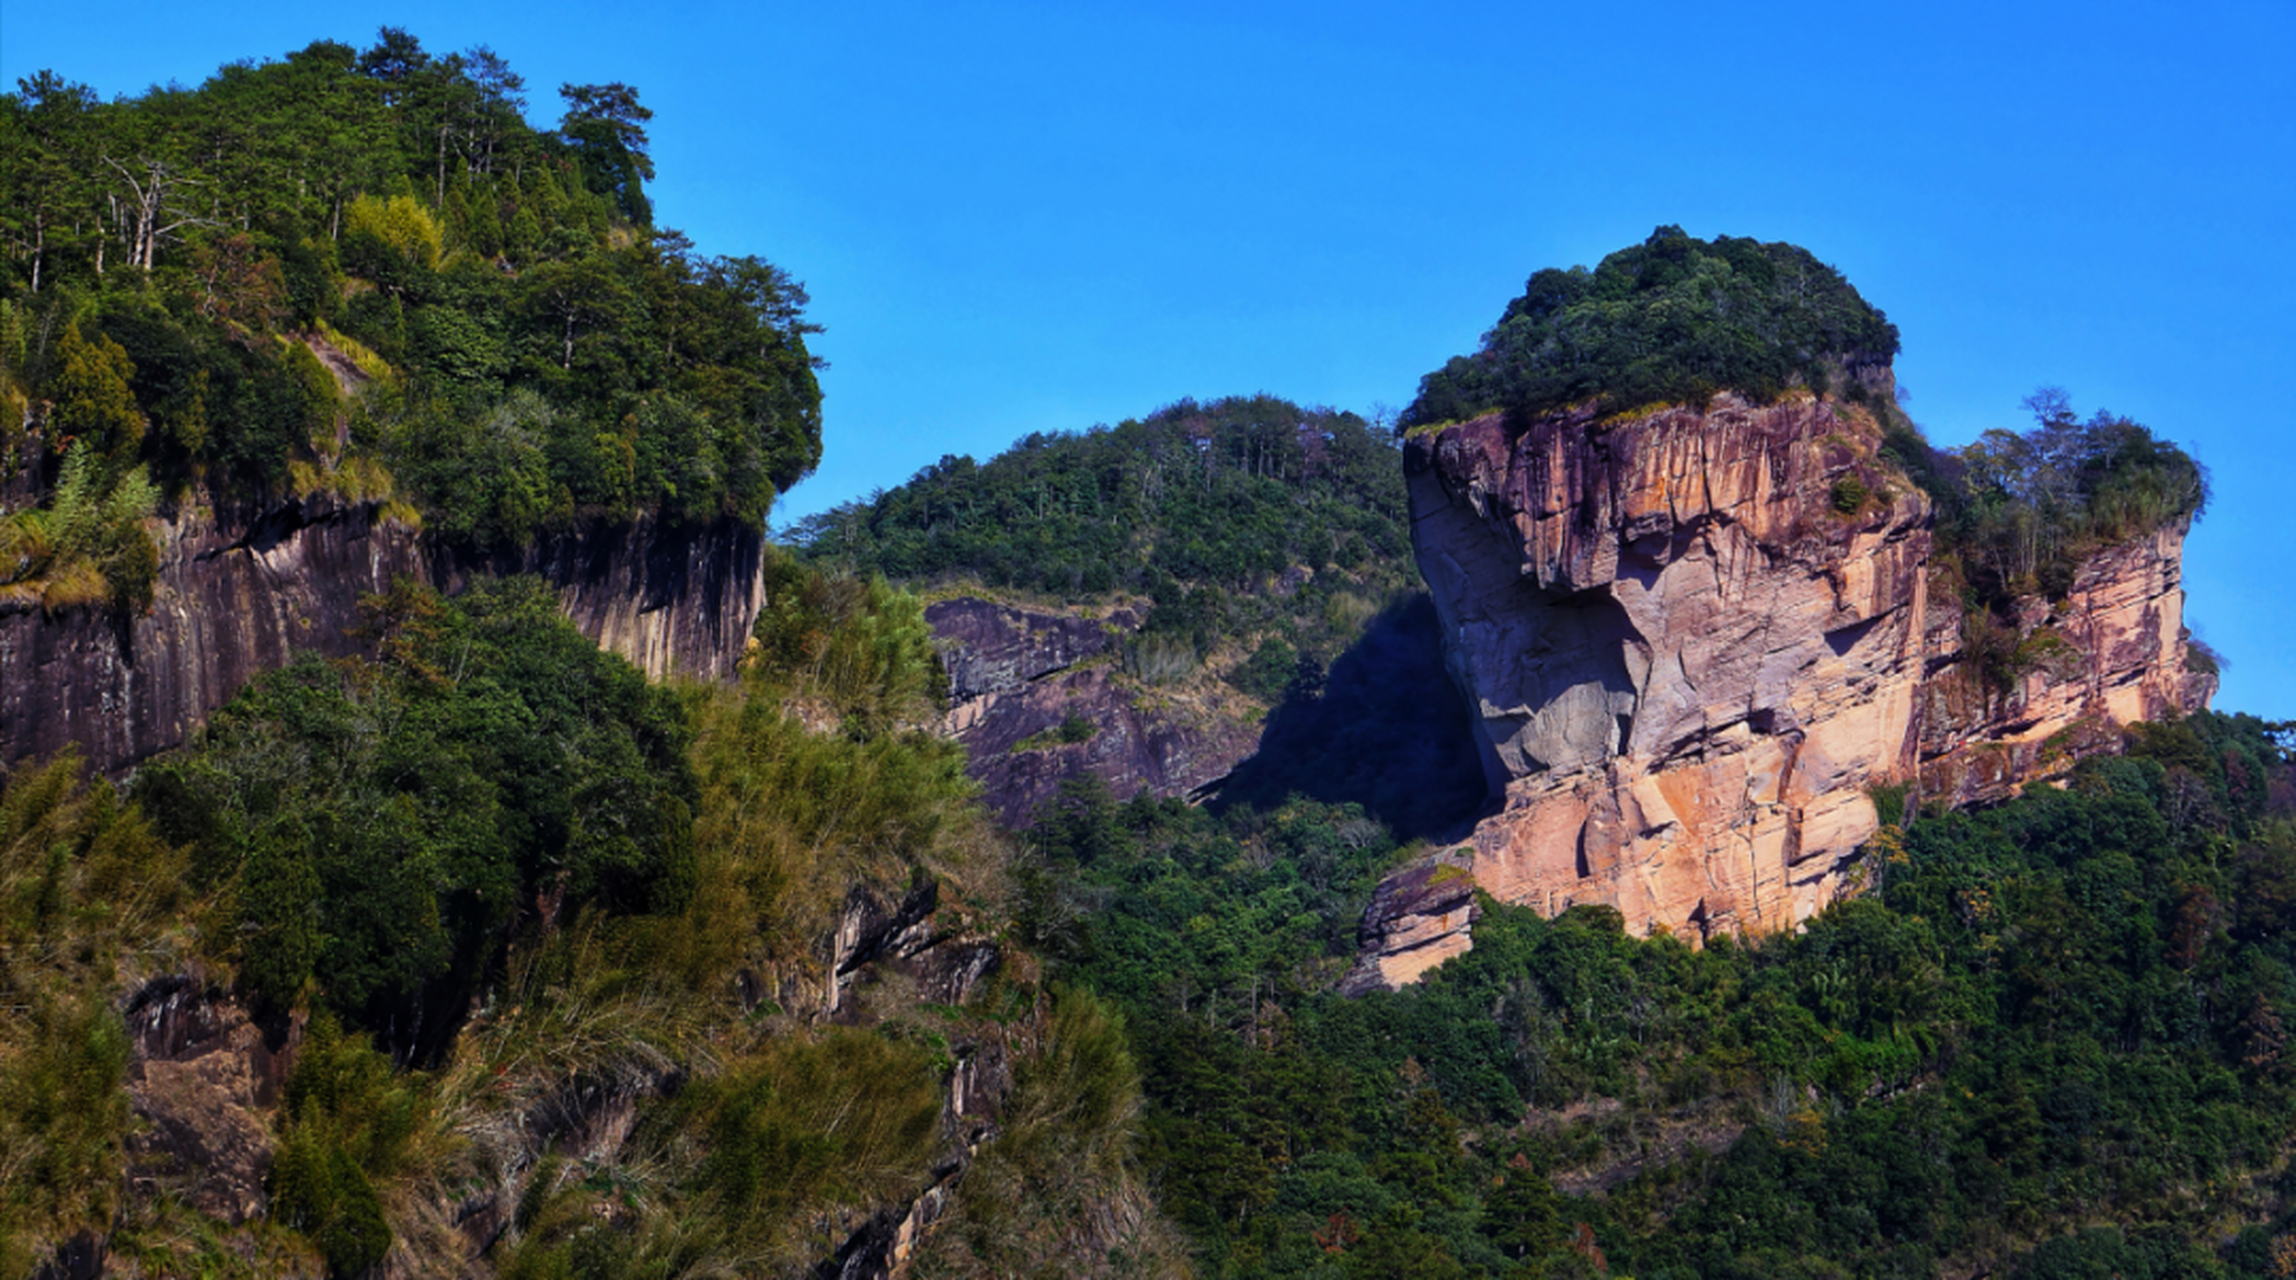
<point x="243" y="593"/>
<point x="1018" y="675"/>
<point x="1687" y="664"/>
<point x="1694" y="640"/>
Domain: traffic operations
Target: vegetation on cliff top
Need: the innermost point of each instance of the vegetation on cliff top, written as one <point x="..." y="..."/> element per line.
<point x="1243" y="521"/>
<point x="2018" y="512"/>
<point x="363" y="271"/>
<point x="1673" y="319"/>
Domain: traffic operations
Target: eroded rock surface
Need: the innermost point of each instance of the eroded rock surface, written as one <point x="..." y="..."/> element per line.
<point x="2112" y="652"/>
<point x="1687" y="661"/>
<point x="205" y="1081"/>
<point x="1016" y="675"/>
<point x="1417" y="919"/>
<point x="243" y="593"/>
<point x="1695" y="638"/>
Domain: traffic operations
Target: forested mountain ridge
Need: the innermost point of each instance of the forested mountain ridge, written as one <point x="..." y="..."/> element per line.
<point x="1181" y="603"/>
<point x="523" y="343"/>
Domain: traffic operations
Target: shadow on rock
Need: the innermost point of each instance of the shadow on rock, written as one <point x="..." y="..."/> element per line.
<point x="1385" y="728"/>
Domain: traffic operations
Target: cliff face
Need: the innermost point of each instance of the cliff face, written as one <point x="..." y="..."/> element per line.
<point x="1695" y="638"/>
<point x="1016" y="675"/>
<point x="2112" y="652"/>
<point x="238" y="596"/>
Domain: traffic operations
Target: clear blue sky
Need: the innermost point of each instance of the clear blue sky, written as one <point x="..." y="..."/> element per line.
<point x="1037" y="217"/>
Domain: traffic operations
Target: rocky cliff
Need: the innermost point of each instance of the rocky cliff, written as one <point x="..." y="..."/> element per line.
<point x="1018" y="675"/>
<point x="239" y="594"/>
<point x="2112" y="652"/>
<point x="1695" y="638"/>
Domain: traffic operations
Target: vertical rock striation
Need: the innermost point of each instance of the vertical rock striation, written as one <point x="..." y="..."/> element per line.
<point x="234" y="598"/>
<point x="1687" y="659"/>
<point x="241" y="594"/>
<point x="1695" y="638"/>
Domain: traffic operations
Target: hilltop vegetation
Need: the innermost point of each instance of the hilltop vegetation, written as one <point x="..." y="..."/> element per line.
<point x="1222" y="492"/>
<point x="1671" y="320"/>
<point x="364" y="272"/>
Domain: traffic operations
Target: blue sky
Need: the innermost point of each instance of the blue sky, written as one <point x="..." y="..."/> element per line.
<point x="1028" y="217"/>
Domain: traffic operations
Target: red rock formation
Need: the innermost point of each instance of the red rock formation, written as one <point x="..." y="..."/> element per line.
<point x="1696" y="638"/>
<point x="2112" y="652"/>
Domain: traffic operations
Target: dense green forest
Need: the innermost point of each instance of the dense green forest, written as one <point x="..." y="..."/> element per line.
<point x="1201" y="508"/>
<point x="363" y="272"/>
<point x="2052" y="1044"/>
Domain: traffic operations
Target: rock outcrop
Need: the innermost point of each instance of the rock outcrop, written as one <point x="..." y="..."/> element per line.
<point x="240" y="594"/>
<point x="1695" y="638"/>
<point x="1017" y="675"/>
<point x="1417" y="919"/>
<point x="204" y="1080"/>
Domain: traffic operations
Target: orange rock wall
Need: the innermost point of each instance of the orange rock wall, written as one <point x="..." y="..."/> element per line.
<point x="1691" y="663"/>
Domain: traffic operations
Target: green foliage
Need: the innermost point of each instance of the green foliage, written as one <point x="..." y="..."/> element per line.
<point x="1062" y="1153"/>
<point x="88" y="545"/>
<point x="2067" y="1009"/>
<point x="399" y="227"/>
<point x="2018" y="513"/>
<point x="85" y="886"/>
<point x="349" y="1121"/>
<point x="381" y="823"/>
<point x="844" y="1119"/>
<point x="1193" y="506"/>
<point x="863" y="648"/>
<point x="400" y="200"/>
<point x="1673" y="319"/>
<point x="91" y="397"/>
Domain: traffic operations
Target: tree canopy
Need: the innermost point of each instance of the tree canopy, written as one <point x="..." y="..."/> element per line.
<point x="1672" y="319"/>
<point x="364" y="272"/>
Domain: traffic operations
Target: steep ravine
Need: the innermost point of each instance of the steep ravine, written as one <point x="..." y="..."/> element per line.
<point x="242" y="593"/>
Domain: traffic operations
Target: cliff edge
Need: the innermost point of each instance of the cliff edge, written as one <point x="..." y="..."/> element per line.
<point x="241" y="594"/>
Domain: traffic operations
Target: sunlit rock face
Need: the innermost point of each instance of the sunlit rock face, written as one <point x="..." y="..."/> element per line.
<point x="1697" y="637"/>
<point x="2113" y="651"/>
<point x="1694" y="639"/>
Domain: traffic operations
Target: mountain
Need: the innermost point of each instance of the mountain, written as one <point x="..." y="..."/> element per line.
<point x="440" y="836"/>
<point x="1704" y="638"/>
<point x="1179" y="605"/>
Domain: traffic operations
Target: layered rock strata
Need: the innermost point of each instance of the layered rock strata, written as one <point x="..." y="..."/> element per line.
<point x="241" y="594"/>
<point x="1017" y="675"/>
<point x="1696" y="638"/>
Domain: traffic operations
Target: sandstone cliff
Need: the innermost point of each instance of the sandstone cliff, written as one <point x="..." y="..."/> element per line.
<point x="1016" y="675"/>
<point x="239" y="594"/>
<point x="1695" y="638"/>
